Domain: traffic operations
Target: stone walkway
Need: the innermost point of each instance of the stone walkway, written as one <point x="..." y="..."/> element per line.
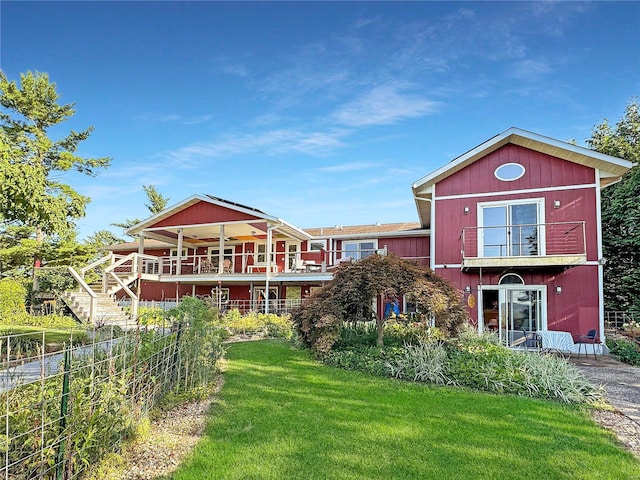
<point x="622" y="389"/>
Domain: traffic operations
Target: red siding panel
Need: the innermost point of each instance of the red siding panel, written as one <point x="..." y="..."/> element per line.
<point x="542" y="171"/>
<point x="203" y="212"/>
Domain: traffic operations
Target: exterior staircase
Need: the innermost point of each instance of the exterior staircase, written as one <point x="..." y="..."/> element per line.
<point x="94" y="303"/>
<point x="107" y="311"/>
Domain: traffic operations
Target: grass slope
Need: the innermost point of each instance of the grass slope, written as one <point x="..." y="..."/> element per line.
<point x="281" y="415"/>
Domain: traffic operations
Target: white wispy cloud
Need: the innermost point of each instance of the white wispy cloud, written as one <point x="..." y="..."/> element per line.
<point x="236" y="70"/>
<point x="530" y="69"/>
<point x="349" y="167"/>
<point x="274" y="142"/>
<point x="151" y="117"/>
<point x="384" y="105"/>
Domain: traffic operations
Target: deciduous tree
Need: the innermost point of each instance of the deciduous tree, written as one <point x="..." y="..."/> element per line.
<point x="349" y="295"/>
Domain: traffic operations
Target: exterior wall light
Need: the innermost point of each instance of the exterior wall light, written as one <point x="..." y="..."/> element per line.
<point x="467" y="289"/>
<point x="466" y="210"/>
<point x="558" y="289"/>
<point x="556" y="204"/>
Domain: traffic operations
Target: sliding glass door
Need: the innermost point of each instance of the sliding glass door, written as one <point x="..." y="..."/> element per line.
<point x="510" y="229"/>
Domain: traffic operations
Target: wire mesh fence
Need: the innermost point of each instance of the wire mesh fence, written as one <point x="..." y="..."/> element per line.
<point x="64" y="406"/>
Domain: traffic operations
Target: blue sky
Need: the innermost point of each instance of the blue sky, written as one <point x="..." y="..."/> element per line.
<point x="317" y="113"/>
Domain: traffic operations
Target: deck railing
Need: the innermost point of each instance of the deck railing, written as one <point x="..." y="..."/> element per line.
<point x="300" y="262"/>
<point x="543" y="239"/>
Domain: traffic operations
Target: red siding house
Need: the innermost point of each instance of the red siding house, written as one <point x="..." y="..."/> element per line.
<point x="513" y="223"/>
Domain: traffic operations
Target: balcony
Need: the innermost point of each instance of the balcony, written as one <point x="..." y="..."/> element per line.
<point x="531" y="246"/>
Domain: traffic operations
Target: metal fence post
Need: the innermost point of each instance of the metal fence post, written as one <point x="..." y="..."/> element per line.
<point x="64" y="403"/>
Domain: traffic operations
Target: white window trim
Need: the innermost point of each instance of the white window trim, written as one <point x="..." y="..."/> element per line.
<point x="257" y="252"/>
<point x="358" y="242"/>
<point x="540" y="202"/>
<point x="523" y="170"/>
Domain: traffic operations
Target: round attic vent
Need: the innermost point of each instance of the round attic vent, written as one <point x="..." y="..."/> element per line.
<point x="509" y="172"/>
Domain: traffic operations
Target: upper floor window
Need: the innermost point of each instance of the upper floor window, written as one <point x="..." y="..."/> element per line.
<point x="359" y="250"/>
<point x="261" y="254"/>
<point x="511" y="228"/>
<point x="509" y="172"/>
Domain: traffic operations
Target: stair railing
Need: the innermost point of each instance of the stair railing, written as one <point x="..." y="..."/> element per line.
<point x="93" y="304"/>
<point x="136" y="260"/>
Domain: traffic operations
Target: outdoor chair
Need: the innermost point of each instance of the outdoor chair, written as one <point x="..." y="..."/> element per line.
<point x="532" y="341"/>
<point x="588" y="339"/>
<point x="206" y="266"/>
<point x="517" y="338"/>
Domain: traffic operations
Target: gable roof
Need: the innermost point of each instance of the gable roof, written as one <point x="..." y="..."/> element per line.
<point x="611" y="168"/>
<point x="259" y="221"/>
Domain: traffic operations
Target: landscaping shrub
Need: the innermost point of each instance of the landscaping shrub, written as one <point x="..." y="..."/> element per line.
<point x="471" y="360"/>
<point x="150" y="316"/>
<point x="257" y="323"/>
<point x="424" y="362"/>
<point x="625" y="351"/>
<point x="481" y="365"/>
<point x="371" y="359"/>
<point x="12" y="302"/>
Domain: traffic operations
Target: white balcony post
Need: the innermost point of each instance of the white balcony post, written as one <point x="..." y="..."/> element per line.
<point x="268" y="269"/>
<point x="221" y="250"/>
<point x="179" y="253"/>
<point x="138" y="265"/>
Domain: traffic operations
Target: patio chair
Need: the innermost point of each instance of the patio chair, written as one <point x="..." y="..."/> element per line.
<point x="206" y="266"/>
<point x="532" y="341"/>
<point x="588" y="339"/>
<point x="517" y="338"/>
<point x="227" y="266"/>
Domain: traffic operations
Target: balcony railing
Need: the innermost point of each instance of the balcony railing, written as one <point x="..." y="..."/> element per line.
<point x="543" y="244"/>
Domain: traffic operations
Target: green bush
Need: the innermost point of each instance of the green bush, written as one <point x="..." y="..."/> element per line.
<point x="424" y="362"/>
<point x="12" y="300"/>
<point x="481" y="365"/>
<point x="625" y="351"/>
<point x="255" y="323"/>
<point x="472" y="360"/>
<point x="370" y="359"/>
<point x="151" y="316"/>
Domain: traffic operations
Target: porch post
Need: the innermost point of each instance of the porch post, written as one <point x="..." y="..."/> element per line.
<point x="179" y="253"/>
<point x="138" y="265"/>
<point x="221" y="251"/>
<point x="268" y="269"/>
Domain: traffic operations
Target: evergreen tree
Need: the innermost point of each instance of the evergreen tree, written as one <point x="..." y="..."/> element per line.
<point x="621" y="212"/>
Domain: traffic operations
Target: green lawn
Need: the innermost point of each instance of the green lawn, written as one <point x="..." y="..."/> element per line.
<point x="52" y="335"/>
<point x="281" y="415"/>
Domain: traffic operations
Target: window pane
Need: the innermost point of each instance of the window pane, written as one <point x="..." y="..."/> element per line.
<point x="524" y="229"/>
<point x="494" y="233"/>
<point x="351" y="250"/>
<point x="366" y="249"/>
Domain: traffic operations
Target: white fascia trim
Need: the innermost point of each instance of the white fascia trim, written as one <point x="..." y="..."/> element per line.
<point x="517" y="132"/>
<point x="600" y="266"/>
<point x="517" y="192"/>
<point x="432" y="241"/>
